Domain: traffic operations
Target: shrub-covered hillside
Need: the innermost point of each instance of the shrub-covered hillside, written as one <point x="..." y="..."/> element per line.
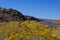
<point x="16" y="26"/>
<point x="27" y="30"/>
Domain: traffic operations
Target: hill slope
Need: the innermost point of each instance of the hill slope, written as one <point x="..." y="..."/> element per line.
<point x="16" y="26"/>
<point x="7" y="15"/>
<point x="27" y="30"/>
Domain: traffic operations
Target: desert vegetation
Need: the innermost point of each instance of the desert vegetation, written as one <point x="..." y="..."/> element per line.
<point x="27" y="30"/>
<point x="16" y="26"/>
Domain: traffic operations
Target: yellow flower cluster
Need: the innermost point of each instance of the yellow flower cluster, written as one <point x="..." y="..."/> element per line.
<point x="27" y="30"/>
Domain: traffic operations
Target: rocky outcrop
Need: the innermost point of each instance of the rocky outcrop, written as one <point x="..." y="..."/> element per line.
<point x="32" y="18"/>
<point x="7" y="15"/>
<point x="10" y="14"/>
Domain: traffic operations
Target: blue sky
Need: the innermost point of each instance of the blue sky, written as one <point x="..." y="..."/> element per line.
<point x="46" y="9"/>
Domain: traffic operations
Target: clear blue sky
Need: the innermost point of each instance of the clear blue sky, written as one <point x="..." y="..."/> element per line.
<point x="46" y="9"/>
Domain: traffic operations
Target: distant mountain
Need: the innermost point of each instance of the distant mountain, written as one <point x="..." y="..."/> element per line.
<point x="7" y="15"/>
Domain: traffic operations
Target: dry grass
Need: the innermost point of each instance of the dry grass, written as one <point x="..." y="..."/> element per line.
<point x="57" y="22"/>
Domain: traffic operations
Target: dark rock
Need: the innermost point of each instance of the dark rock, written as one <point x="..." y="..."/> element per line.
<point x="7" y="15"/>
<point x="33" y="18"/>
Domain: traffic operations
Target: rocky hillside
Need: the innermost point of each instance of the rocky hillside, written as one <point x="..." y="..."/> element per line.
<point x="16" y="26"/>
<point x="7" y="15"/>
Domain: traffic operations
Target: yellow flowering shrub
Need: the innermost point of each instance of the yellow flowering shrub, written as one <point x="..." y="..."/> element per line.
<point x="27" y="30"/>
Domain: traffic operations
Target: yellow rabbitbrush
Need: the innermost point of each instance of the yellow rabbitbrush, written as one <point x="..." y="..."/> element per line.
<point x="27" y="30"/>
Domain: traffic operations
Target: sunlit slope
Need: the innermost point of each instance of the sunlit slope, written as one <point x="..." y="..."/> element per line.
<point x="27" y="30"/>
